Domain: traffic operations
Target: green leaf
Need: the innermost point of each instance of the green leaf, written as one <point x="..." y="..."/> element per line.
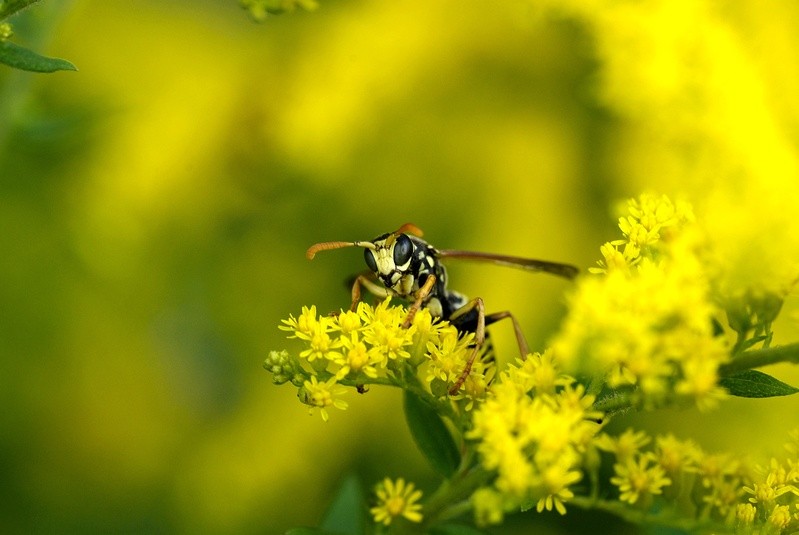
<point x="9" y="7"/>
<point x="28" y="60"/>
<point x="455" y="529"/>
<point x="755" y="384"/>
<point x="347" y="513"/>
<point x="431" y="435"/>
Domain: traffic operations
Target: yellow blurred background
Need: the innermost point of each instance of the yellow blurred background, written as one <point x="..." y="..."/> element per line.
<point x="156" y="205"/>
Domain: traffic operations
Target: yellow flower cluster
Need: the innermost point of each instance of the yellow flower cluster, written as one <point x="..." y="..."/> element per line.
<point x="773" y="496"/>
<point x="533" y="430"/>
<point x="704" y="108"/>
<point x="372" y="345"/>
<point x="651" y="219"/>
<point x="718" y="487"/>
<point x="647" y="321"/>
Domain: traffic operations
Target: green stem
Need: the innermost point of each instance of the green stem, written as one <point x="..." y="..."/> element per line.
<point x="614" y="403"/>
<point x="384" y="381"/>
<point x="596" y="384"/>
<point x="761" y="357"/>
<point x="664" y="517"/>
<point x="451" y="496"/>
<point x="456" y="510"/>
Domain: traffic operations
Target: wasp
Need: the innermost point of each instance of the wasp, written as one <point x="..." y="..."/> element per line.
<point x="401" y="264"/>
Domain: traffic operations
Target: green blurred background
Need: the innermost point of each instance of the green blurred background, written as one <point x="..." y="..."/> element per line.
<point x="156" y="205"/>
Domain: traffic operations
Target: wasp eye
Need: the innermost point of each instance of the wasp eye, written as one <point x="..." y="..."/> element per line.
<point x="369" y="257"/>
<point x="403" y="248"/>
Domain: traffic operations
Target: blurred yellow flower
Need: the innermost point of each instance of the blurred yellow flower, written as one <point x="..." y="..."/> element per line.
<point x="638" y="479"/>
<point x="676" y="456"/>
<point x="488" y="506"/>
<point x="624" y="446"/>
<point x="555" y="480"/>
<point x="396" y="499"/>
<point x="780" y="517"/>
<point x="745" y="513"/>
<point x="649" y="322"/>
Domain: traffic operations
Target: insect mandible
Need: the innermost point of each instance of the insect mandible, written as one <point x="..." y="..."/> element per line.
<point x="408" y="267"/>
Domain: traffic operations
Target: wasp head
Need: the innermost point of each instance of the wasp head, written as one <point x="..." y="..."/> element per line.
<point x="390" y="259"/>
<point x="389" y="256"/>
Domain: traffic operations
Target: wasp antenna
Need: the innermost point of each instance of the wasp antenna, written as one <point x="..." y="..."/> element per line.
<point x="328" y="245"/>
<point x="410" y="228"/>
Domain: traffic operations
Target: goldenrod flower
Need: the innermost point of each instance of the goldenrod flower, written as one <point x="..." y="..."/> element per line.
<point x="676" y="456"/>
<point x="428" y="327"/>
<point x="384" y="313"/>
<point x="745" y="513"/>
<point x="395" y="499"/>
<point x="321" y="345"/>
<point x="792" y="446"/>
<point x="321" y="396"/>
<point x="780" y="517"/>
<point x="717" y="467"/>
<point x="476" y="385"/>
<point x="372" y="343"/>
<point x="388" y="340"/>
<point x="649" y="325"/>
<point x="537" y="372"/>
<point x="614" y="259"/>
<point x="448" y="355"/>
<point x="766" y="491"/>
<point x="625" y="446"/>
<point x="348" y="322"/>
<point x="724" y="495"/>
<point x="534" y="441"/>
<point x="488" y="505"/>
<point x="354" y="357"/>
<point x="700" y="376"/>
<point x="639" y="480"/>
<point x="305" y="325"/>
<point x="652" y="216"/>
<point x="555" y="480"/>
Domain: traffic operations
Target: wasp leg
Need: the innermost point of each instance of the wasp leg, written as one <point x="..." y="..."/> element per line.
<point x="524" y="349"/>
<point x="372" y="287"/>
<point x="464" y="320"/>
<point x="421" y="295"/>
<point x="479" y="337"/>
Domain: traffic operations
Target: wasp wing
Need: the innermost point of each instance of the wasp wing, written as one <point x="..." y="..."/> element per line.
<point x="528" y="264"/>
